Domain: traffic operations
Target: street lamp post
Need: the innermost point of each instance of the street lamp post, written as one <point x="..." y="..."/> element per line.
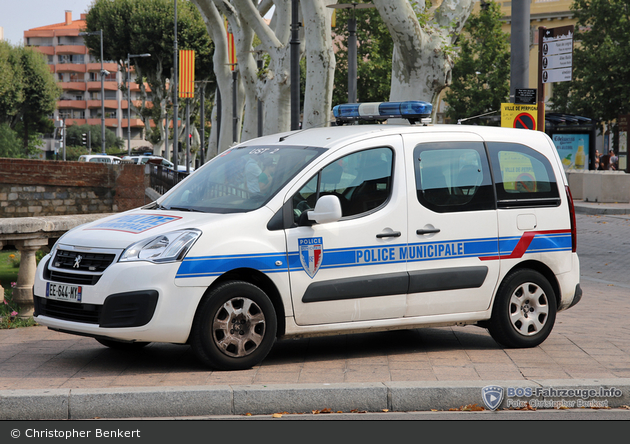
<point x="352" y="45"/>
<point x="100" y="34"/>
<point x="130" y="56"/>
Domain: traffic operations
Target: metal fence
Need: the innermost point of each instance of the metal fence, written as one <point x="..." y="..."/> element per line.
<point x="163" y="179"/>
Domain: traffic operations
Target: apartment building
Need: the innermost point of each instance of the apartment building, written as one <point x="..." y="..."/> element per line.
<point x="78" y="74"/>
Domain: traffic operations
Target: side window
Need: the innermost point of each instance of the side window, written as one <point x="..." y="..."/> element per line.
<point x="453" y="176"/>
<point x="362" y="182"/>
<point x="523" y="176"/>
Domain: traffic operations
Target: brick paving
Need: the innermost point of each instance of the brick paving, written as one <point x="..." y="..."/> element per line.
<point x="589" y="341"/>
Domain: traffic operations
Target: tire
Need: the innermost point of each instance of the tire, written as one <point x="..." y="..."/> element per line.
<point x="235" y="327"/>
<point x="123" y="346"/>
<point x="524" y="310"/>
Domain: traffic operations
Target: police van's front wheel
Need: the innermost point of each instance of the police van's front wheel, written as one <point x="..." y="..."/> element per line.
<point x="235" y="327"/>
<point x="524" y="310"/>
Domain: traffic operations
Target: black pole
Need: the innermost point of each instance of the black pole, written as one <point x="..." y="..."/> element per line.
<point x="260" y="105"/>
<point x="202" y="117"/>
<point x="352" y="59"/>
<point x="218" y="117"/>
<point x="295" y="66"/>
<point x="188" y="136"/>
<point x="175" y="110"/>
<point x="234" y="104"/>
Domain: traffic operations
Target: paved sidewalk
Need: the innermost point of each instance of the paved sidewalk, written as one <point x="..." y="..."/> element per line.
<point x="50" y="375"/>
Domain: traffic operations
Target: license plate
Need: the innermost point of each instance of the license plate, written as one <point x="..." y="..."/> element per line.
<point x="64" y="292"/>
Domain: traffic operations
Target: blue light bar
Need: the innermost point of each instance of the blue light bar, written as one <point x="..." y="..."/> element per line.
<point x="412" y="110"/>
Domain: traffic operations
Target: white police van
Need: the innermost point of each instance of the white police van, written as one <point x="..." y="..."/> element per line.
<point x="330" y="231"/>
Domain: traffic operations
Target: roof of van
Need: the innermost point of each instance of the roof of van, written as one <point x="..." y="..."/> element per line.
<point x="340" y="135"/>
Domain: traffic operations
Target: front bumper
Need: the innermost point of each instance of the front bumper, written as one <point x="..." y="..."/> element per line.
<point x="132" y="301"/>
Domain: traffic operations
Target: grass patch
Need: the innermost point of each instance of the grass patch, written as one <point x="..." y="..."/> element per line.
<point x="9" y="267"/>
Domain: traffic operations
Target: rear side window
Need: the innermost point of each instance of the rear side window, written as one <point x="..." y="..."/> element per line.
<point x="453" y="176"/>
<point x="523" y="176"/>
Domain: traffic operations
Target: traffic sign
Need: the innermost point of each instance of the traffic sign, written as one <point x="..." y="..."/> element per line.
<point x="519" y="116"/>
<point x="525" y="120"/>
<point x="557" y="54"/>
<point x="525" y="96"/>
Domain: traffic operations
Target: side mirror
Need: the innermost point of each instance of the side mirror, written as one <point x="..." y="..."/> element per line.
<point x="327" y="209"/>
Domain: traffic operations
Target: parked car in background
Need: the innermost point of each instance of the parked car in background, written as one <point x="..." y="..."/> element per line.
<point x="141" y="160"/>
<point x="156" y="160"/>
<point x="99" y="158"/>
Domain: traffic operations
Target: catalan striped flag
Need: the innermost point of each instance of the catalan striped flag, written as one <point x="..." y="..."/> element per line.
<point x="186" y="74"/>
<point x="231" y="47"/>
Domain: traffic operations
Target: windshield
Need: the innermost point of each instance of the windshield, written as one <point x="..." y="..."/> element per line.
<point x="239" y="180"/>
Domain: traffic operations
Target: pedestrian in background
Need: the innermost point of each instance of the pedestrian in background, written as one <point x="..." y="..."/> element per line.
<point x="613" y="160"/>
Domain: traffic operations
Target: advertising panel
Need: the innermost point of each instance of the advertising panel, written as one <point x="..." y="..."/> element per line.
<point x="573" y="150"/>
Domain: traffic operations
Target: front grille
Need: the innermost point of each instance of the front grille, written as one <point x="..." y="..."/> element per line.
<point x="78" y="279"/>
<point x="67" y="311"/>
<point x="81" y="261"/>
<point x="77" y="267"/>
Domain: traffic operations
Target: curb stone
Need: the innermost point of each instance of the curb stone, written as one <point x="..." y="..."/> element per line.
<point x="149" y="402"/>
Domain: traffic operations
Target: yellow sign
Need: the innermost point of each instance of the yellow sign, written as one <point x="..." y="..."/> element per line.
<point x="186" y="74"/>
<point x="519" y="116"/>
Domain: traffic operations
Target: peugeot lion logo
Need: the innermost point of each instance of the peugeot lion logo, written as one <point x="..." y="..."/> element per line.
<point x="77" y="261"/>
<point x="492" y="396"/>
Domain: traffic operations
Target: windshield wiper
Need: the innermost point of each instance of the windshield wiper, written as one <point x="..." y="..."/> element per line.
<point x="182" y="209"/>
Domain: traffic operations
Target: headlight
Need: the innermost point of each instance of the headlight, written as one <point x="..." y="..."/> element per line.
<point x="168" y="247"/>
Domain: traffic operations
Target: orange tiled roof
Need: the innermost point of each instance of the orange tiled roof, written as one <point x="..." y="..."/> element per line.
<point x="74" y="24"/>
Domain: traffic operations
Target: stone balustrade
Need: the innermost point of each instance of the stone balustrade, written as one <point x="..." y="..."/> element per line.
<point x="28" y="235"/>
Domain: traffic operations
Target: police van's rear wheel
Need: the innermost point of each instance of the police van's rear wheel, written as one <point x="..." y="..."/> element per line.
<point x="524" y="310"/>
<point x="235" y="327"/>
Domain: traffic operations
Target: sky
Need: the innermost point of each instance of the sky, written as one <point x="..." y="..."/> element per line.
<point x="17" y="16"/>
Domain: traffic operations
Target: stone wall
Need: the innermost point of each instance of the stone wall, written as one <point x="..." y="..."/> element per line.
<point x="31" y="188"/>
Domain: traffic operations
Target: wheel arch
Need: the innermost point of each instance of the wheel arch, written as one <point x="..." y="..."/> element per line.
<point x="258" y="279"/>
<point x="542" y="269"/>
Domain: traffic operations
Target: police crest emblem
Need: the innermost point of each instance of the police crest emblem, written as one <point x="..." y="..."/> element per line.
<point x="311" y="252"/>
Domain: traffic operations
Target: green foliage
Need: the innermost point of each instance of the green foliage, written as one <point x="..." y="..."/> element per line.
<point x="28" y="95"/>
<point x="601" y="74"/>
<point x="481" y="72"/>
<point x="374" y="57"/>
<point x="75" y="133"/>
<point x="11" y="94"/>
<point x="10" y="143"/>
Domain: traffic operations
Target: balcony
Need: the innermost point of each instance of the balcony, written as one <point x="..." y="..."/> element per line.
<point x="111" y="104"/>
<point x="70" y="49"/>
<point x="96" y="86"/>
<point x="48" y="50"/>
<point x="73" y="86"/>
<point x="96" y="67"/>
<point x="70" y="121"/>
<point x="71" y="104"/>
<point x="135" y="123"/>
<point x="70" y="67"/>
<point x="109" y="123"/>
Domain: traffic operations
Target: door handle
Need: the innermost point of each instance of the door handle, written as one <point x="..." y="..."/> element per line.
<point x="390" y="234"/>
<point x="428" y="231"/>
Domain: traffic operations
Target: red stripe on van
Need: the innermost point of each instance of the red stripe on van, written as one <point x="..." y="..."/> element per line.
<point x="523" y="245"/>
